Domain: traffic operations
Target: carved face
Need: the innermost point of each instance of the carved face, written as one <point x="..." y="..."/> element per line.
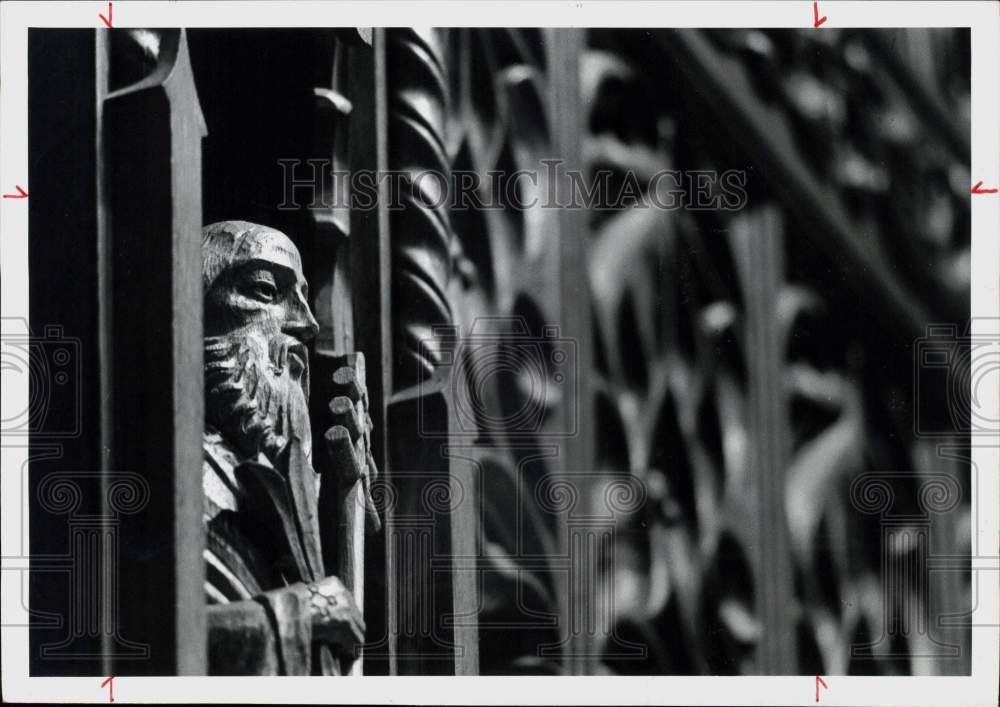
<point x="253" y="278"/>
<point x="257" y="324"/>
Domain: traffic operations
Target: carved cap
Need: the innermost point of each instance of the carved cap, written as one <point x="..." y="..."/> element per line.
<point x="227" y="244"/>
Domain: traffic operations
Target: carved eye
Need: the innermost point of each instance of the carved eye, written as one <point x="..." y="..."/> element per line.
<point x="260" y="285"/>
<point x="263" y="291"/>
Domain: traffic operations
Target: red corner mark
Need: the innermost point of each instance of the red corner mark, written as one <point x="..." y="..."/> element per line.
<point x="106" y="20"/>
<point x="22" y="194"/>
<point x="976" y="189"/>
<point x="111" y="688"/>
<point x="817" y="20"/>
<point x="820" y="681"/>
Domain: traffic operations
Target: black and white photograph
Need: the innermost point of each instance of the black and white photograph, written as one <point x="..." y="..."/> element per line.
<point x="618" y="351"/>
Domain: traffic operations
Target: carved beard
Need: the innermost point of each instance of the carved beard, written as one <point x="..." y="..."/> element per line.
<point x="257" y="388"/>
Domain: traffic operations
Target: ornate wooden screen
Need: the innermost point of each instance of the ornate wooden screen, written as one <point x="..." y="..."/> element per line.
<point x="627" y="440"/>
<point x="759" y="416"/>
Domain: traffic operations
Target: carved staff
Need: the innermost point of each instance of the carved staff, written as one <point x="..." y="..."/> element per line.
<point x="345" y="493"/>
<point x="346" y="489"/>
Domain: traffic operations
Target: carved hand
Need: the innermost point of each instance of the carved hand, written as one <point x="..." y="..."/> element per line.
<point x="349" y="440"/>
<point x="336" y="619"/>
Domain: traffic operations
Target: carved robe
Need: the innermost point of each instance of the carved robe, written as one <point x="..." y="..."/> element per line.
<point x="253" y="547"/>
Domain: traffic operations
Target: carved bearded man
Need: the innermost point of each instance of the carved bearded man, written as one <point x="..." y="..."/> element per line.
<point x="272" y="610"/>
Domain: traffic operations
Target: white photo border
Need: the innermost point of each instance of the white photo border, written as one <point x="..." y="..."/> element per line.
<point x="980" y="688"/>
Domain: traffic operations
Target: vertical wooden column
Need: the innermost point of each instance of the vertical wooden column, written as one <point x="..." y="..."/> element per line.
<point x="576" y="456"/>
<point x="758" y="242"/>
<point x="370" y="265"/>
<point x="350" y="273"/>
<point x="342" y="529"/>
<point x="151" y="208"/>
<point x="433" y="517"/>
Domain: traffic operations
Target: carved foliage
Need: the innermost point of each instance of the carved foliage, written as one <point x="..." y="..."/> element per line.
<point x="684" y="381"/>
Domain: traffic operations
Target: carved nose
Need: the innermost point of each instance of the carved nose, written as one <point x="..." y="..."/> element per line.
<point x="302" y="326"/>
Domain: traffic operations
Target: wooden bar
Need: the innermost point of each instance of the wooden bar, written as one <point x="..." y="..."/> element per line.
<point x="105" y="294"/>
<point x="370" y="268"/>
<point x="564" y="47"/>
<point x="341" y="511"/>
<point x="152" y="150"/>
<point x="758" y="244"/>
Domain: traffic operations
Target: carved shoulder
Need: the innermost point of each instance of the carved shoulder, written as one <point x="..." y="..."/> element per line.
<point x="222" y="491"/>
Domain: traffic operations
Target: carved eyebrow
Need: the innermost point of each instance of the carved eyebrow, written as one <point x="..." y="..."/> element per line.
<point x="283" y="274"/>
<point x="262" y="274"/>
